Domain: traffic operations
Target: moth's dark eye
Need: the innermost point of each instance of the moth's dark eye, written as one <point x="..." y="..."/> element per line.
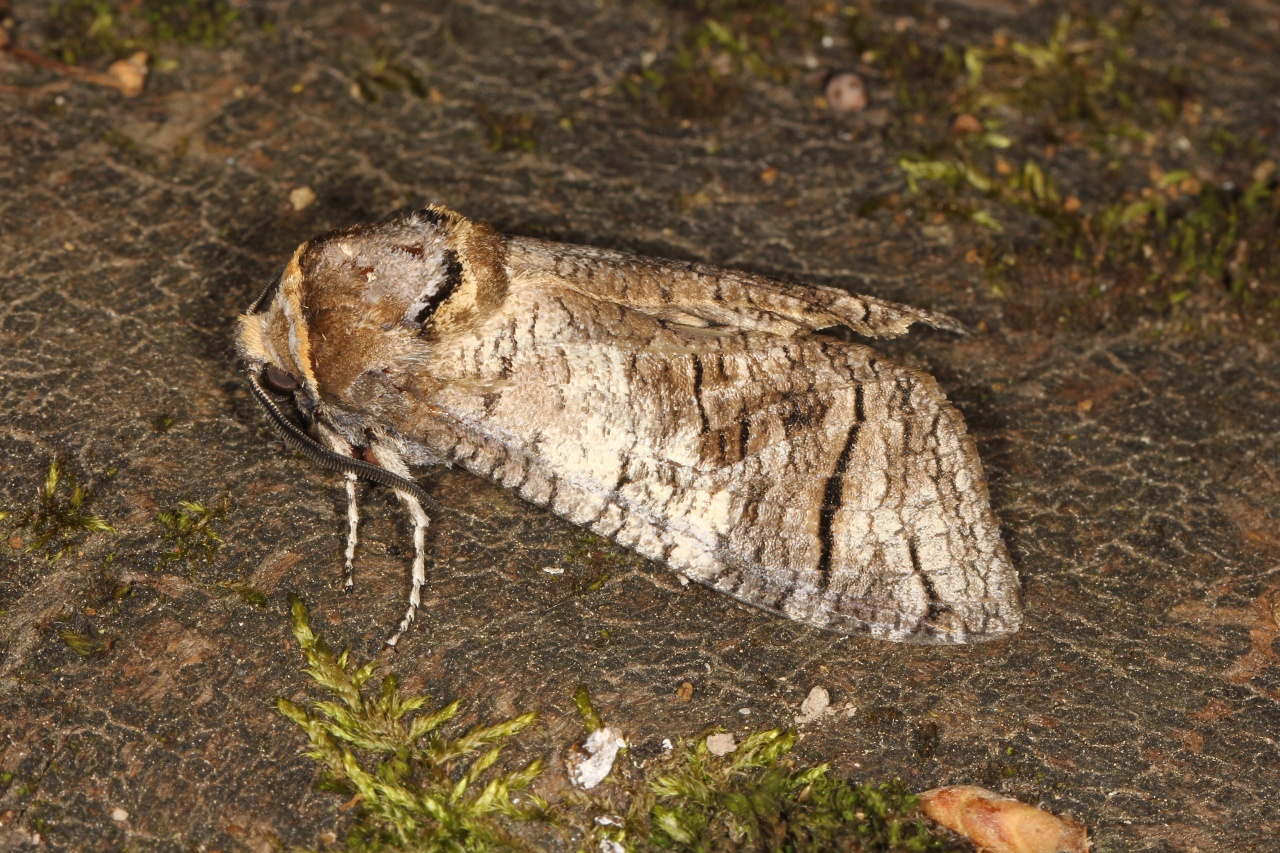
<point x="278" y="381"/>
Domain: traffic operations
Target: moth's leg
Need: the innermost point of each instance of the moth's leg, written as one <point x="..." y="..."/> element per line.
<point x="353" y="524"/>
<point x="388" y="457"/>
<point x="419" y="576"/>
<point x="339" y="445"/>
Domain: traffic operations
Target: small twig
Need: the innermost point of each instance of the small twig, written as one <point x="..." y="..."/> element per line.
<point x="60" y="86"/>
<point x="126" y="76"/>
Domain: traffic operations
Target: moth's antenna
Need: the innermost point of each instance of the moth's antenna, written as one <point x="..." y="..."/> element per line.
<point x="267" y="291"/>
<point x="308" y="447"/>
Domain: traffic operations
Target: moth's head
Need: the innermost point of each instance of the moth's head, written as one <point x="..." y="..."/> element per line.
<point x="325" y="333"/>
<point x="273" y="340"/>
<point x="355" y="310"/>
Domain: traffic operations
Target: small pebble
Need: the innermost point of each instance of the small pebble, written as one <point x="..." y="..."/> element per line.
<point x="721" y="744"/>
<point x="301" y="198"/>
<point x="846" y="93"/>
<point x="966" y="124"/>
<point x="814" y="706"/>
<point x="119" y="815"/>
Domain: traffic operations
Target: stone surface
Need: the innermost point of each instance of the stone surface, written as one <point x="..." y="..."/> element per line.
<point x="1137" y="478"/>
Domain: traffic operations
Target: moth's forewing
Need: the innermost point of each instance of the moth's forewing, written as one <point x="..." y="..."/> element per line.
<point x="808" y="477"/>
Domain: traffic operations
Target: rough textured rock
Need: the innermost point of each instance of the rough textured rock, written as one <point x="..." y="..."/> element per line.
<point x="1137" y="479"/>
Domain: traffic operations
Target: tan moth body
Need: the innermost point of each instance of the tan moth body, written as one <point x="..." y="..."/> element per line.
<point x="681" y="410"/>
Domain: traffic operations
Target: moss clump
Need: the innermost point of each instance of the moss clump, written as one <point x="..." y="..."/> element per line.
<point x="509" y="131"/>
<point x="1014" y="136"/>
<point x="596" y="553"/>
<point x="247" y="592"/>
<point x="87" y="29"/>
<point x="384" y="74"/>
<point x="756" y="798"/>
<point x="85" y="644"/>
<point x="587" y="709"/>
<point x="61" y="516"/>
<point x="720" y="46"/>
<point x="1201" y="234"/>
<point x="189" y="529"/>
<point x="417" y="788"/>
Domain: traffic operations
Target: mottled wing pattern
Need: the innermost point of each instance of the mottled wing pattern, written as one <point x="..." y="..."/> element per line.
<point x="710" y="295"/>
<point x="802" y="475"/>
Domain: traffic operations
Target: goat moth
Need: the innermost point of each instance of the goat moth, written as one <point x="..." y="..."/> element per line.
<point x="681" y="410"/>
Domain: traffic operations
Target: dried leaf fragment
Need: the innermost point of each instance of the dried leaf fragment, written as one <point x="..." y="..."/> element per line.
<point x="592" y="761"/>
<point x="130" y="75"/>
<point x="1000" y="824"/>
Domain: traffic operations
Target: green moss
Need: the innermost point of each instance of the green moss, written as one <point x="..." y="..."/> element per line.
<point x="417" y="787"/>
<point x="61" y="516"/>
<point x="383" y="75"/>
<point x="189" y="528"/>
<point x="1013" y="135"/>
<point x="720" y="45"/>
<point x="248" y="593"/>
<point x="758" y="798"/>
<point x="203" y="22"/>
<point x="88" y="29"/>
<point x="596" y="553"/>
<point x="83" y="28"/>
<point x="510" y="132"/>
<point x="85" y="645"/>
<point x="590" y="717"/>
<point x="1205" y="235"/>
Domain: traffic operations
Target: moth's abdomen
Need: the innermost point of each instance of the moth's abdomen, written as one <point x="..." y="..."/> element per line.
<point x="800" y="475"/>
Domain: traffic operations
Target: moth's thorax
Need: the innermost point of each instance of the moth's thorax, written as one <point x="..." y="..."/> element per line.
<point x="364" y="295"/>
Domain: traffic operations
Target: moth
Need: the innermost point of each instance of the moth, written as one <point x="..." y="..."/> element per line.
<point x="684" y="411"/>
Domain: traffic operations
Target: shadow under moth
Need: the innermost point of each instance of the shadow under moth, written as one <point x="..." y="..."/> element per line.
<point x="684" y="411"/>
